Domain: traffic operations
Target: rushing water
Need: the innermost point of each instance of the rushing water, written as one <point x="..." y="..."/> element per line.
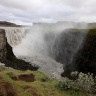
<point x="45" y="46"/>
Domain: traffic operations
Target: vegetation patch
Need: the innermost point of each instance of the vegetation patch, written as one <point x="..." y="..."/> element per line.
<point x="45" y="79"/>
<point x="10" y="85"/>
<point x="10" y="74"/>
<point x="82" y="82"/>
<point x="32" y="90"/>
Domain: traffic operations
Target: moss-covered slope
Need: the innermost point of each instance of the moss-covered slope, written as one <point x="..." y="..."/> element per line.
<point x="12" y="84"/>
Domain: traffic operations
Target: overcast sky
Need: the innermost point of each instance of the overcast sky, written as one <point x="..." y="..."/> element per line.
<point x="28" y="11"/>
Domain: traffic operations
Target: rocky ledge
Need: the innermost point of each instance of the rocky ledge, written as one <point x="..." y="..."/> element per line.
<point x="8" y="58"/>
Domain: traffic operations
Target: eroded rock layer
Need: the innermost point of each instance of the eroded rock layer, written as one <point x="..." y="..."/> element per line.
<point x="7" y="56"/>
<point x="85" y="58"/>
<point x="2" y="46"/>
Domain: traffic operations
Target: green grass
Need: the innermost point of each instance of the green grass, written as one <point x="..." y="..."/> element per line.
<point x="42" y="85"/>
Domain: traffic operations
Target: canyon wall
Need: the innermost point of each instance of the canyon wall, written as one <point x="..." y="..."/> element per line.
<point x="85" y="58"/>
<point x="8" y="58"/>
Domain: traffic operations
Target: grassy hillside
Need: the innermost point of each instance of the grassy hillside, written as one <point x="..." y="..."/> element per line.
<point x="30" y="83"/>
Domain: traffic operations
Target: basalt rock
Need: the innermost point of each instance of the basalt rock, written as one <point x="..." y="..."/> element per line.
<point x="85" y="59"/>
<point x="2" y="46"/>
<point x="67" y="44"/>
<point x="7" y="56"/>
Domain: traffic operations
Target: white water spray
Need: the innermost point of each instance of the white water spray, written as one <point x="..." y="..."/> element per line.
<point x="41" y="44"/>
<point x="14" y="36"/>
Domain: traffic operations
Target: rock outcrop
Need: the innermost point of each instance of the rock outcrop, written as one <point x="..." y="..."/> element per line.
<point x="85" y="59"/>
<point x="2" y="46"/>
<point x="7" y="56"/>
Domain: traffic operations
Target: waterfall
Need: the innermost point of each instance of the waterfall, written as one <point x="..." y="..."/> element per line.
<point x="14" y="36"/>
<point x="60" y="45"/>
<point x="48" y="46"/>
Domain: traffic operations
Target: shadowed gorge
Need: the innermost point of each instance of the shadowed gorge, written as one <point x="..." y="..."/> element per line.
<point x="49" y="49"/>
<point x="85" y="58"/>
<point x="74" y="48"/>
<point x="45" y="46"/>
<point x="67" y="44"/>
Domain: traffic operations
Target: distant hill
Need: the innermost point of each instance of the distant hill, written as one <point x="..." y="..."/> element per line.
<point x="68" y="24"/>
<point x="8" y="24"/>
<point x="59" y="23"/>
<point x="92" y="25"/>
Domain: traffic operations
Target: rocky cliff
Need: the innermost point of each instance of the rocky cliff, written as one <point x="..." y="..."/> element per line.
<point x="85" y="58"/>
<point x="2" y="46"/>
<point x="7" y="56"/>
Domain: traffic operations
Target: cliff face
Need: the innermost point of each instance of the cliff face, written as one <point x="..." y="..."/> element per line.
<point x="85" y="59"/>
<point x="7" y="56"/>
<point x="3" y="49"/>
<point x="67" y="44"/>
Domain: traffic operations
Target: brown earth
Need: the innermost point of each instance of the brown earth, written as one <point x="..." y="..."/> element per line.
<point x="6" y="89"/>
<point x="24" y="77"/>
<point x="32" y="90"/>
<point x="1" y="77"/>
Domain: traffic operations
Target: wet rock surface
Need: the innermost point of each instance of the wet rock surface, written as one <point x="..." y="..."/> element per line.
<point x="85" y="59"/>
<point x="67" y="44"/>
<point x="7" y="56"/>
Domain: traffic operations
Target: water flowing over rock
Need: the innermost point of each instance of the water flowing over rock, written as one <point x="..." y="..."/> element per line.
<point x="50" y="49"/>
<point x="7" y="56"/>
<point x="45" y="47"/>
<point x="14" y="36"/>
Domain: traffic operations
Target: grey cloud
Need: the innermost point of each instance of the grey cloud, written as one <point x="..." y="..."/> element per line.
<point x="47" y="10"/>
